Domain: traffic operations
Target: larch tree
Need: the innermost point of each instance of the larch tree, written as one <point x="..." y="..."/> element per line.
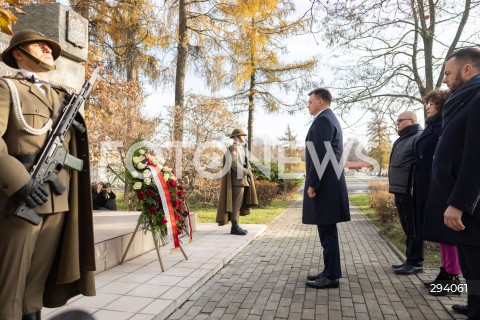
<point x="390" y="53"/>
<point x="255" y="44"/>
<point x="122" y="37"/>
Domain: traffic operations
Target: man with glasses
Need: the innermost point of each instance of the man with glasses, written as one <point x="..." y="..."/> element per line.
<point x="401" y="161"/>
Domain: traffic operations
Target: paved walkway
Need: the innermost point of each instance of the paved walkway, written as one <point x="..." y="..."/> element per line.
<point x="266" y="280"/>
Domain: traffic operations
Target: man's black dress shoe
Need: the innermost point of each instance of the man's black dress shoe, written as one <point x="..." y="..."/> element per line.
<point x="460" y="308"/>
<point x="408" y="269"/>
<point x="323" y="283"/>
<point x="314" y="276"/>
<point x="398" y="266"/>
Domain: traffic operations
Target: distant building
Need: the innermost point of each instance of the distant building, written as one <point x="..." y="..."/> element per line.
<point x="358" y="166"/>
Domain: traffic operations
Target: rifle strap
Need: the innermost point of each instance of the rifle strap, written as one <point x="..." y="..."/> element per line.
<point x="17" y="110"/>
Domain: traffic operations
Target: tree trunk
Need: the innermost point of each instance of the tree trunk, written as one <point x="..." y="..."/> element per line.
<point x="251" y="108"/>
<point x="182" y="51"/>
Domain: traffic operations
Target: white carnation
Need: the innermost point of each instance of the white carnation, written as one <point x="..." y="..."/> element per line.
<point x="142" y="157"/>
<point x="166" y="176"/>
<point x="141" y="151"/>
<point x="147" y="173"/>
<point x="134" y="174"/>
<point x="141" y="165"/>
<point x="135" y="160"/>
<point x="147" y="181"/>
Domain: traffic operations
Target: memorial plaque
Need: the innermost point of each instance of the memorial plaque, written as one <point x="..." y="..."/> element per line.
<point x="76" y="29"/>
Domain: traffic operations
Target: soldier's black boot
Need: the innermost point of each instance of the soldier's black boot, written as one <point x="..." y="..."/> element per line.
<point x="236" y="229"/>
<point x="32" y="316"/>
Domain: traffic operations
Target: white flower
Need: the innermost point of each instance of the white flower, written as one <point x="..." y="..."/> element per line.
<point x="142" y="157"/>
<point x="161" y="161"/>
<point x="137" y="186"/>
<point x="141" y="151"/>
<point x="166" y="168"/>
<point x="134" y="174"/>
<point x="147" y="181"/>
<point x="147" y="173"/>
<point x="141" y="165"/>
<point x="166" y="176"/>
<point x="135" y="160"/>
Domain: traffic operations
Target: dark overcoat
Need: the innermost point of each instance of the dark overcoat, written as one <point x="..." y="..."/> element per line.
<point x="424" y="151"/>
<point x="330" y="205"/>
<point x="456" y="170"/>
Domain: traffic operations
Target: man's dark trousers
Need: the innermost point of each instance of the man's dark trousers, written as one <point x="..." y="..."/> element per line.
<point x="469" y="259"/>
<point x="331" y="252"/>
<point x="405" y="209"/>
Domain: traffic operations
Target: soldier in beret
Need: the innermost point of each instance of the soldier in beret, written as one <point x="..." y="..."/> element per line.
<point x="45" y="264"/>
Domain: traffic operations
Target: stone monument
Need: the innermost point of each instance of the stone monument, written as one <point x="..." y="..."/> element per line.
<point x="60" y="23"/>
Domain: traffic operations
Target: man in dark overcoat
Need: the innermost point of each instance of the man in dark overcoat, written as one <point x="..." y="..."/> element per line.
<point x="45" y="264"/>
<point x="452" y="210"/>
<point x="325" y="201"/>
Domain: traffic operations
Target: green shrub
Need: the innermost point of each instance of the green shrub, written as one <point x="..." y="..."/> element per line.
<point x="283" y="185"/>
<point x="266" y="192"/>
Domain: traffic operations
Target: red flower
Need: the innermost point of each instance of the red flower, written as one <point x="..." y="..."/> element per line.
<point x="141" y="195"/>
<point x="180" y="187"/>
<point x="172" y="183"/>
<point x="158" y="199"/>
<point x="177" y="216"/>
<point x="150" y="192"/>
<point x="180" y="229"/>
<point x="176" y="203"/>
<point x="164" y="221"/>
<point x="153" y="210"/>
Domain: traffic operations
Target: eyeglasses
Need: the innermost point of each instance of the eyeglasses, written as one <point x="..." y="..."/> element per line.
<point x="400" y="120"/>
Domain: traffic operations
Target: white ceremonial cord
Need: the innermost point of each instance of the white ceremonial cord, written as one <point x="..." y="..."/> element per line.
<point x="19" y="115"/>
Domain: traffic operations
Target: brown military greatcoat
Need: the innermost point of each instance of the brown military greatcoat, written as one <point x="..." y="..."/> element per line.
<point x="72" y="273"/>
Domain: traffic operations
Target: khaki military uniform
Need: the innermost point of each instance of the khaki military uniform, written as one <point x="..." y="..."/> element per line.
<point x="54" y="248"/>
<point x="237" y="193"/>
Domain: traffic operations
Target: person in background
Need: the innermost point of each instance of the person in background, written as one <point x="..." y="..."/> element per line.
<point x="237" y="192"/>
<point x="31" y="255"/>
<point x="401" y="161"/>
<point x="103" y="197"/>
<point x="452" y="212"/>
<point x="424" y="150"/>
<point x="325" y="199"/>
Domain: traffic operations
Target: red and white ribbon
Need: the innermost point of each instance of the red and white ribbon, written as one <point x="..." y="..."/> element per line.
<point x="162" y="187"/>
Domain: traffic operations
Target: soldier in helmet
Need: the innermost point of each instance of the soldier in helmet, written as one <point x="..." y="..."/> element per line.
<point x="47" y="264"/>
<point x="237" y="192"/>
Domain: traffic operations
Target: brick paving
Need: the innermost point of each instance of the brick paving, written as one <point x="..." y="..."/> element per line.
<point x="266" y="280"/>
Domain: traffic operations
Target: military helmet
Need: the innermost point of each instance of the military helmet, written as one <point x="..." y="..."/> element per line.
<point x="26" y="36"/>
<point x="237" y="132"/>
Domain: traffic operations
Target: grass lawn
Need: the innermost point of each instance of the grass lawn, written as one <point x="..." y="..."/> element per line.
<point x="256" y="216"/>
<point x="394" y="232"/>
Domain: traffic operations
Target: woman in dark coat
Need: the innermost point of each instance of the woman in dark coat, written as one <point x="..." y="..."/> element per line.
<point x="424" y="151"/>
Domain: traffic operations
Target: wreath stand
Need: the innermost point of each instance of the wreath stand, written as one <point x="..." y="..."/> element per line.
<point x="156" y="247"/>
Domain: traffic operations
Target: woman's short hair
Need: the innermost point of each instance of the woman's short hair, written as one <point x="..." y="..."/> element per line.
<point x="437" y="96"/>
